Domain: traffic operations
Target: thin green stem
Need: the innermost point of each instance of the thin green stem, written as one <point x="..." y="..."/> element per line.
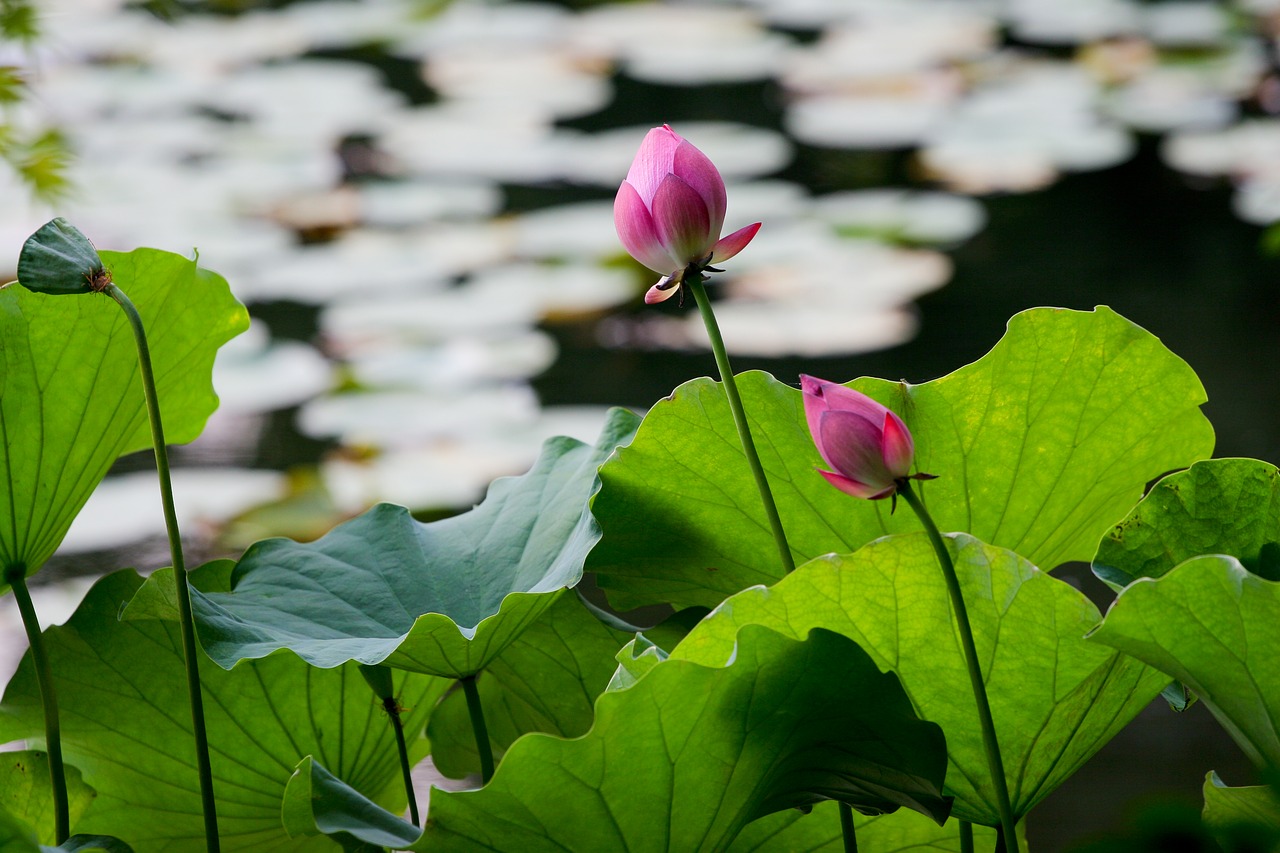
<point x="991" y="746"/>
<point x="16" y="576"/>
<point x="477" y="725"/>
<point x="1000" y="836"/>
<point x="846" y="828"/>
<point x="966" y="837"/>
<point x="190" y="651"/>
<point x="694" y="283"/>
<point x="379" y="680"/>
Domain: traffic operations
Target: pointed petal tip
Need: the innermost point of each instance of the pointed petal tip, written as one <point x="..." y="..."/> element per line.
<point x="731" y="245"/>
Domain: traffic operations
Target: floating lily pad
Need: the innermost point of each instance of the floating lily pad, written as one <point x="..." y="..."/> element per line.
<point x="119" y="683"/>
<point x="1039" y="447"/>
<point x="1218" y="506"/>
<point x="443" y="598"/>
<point x="1054" y="698"/>
<point x="1211" y="624"/>
<point x="71" y="399"/>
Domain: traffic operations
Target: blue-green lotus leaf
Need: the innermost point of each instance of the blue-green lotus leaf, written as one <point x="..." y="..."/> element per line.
<point x="442" y="598"/>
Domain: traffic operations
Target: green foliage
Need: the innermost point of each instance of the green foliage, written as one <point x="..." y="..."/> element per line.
<point x="1211" y="624"/>
<point x="443" y="598"/>
<point x="819" y="832"/>
<point x="25" y="791"/>
<point x="71" y="399"/>
<point x="1039" y="446"/>
<point x="18" y="21"/>
<point x="16" y="836"/>
<point x="122" y="695"/>
<point x="695" y="752"/>
<point x="546" y="680"/>
<point x="1055" y="699"/>
<point x="1219" y="506"/>
<point x="318" y="803"/>
<point x="1254" y="809"/>
<point x="41" y="159"/>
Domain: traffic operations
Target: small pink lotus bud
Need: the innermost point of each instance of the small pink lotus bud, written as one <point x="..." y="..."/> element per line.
<point x="869" y="446"/>
<point x="670" y="209"/>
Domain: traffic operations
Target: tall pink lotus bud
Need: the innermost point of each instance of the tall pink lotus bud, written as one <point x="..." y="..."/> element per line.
<point x="868" y="445"/>
<point x="670" y="209"/>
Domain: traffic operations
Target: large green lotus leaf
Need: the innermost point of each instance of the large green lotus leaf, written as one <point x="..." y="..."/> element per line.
<point x="25" y="791"/>
<point x="1039" y="447"/>
<point x="1253" y="805"/>
<point x="125" y="725"/>
<point x="546" y="680"/>
<point x="903" y="831"/>
<point x="685" y="758"/>
<point x="1056" y="699"/>
<point x="1211" y="624"/>
<point x="443" y="598"/>
<point x="1218" y="506"/>
<point x="317" y="802"/>
<point x="70" y="394"/>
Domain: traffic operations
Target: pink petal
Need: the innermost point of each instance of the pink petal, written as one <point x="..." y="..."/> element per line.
<point x="700" y="173"/>
<point x="733" y="244"/>
<point x="852" y="445"/>
<point x="846" y="399"/>
<point x="658" y="293"/>
<point x="898" y="447"/>
<point x="653" y="162"/>
<point x="681" y="220"/>
<point x="859" y="490"/>
<point x="637" y="232"/>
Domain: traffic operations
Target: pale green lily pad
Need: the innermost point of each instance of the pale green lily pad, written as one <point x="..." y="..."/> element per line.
<point x="122" y="697"/>
<point x="71" y="398"/>
<point x="1039" y="447"/>
<point x="697" y="752"/>
<point x="25" y="791"/>
<point x="1055" y="698"/>
<point x="1251" y="805"/>
<point x="546" y="680"/>
<point x="443" y="598"/>
<point x="904" y="831"/>
<point x="1218" y="506"/>
<point x="1211" y="624"/>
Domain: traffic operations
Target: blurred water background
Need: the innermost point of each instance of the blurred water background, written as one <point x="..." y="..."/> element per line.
<point x="414" y="200"/>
